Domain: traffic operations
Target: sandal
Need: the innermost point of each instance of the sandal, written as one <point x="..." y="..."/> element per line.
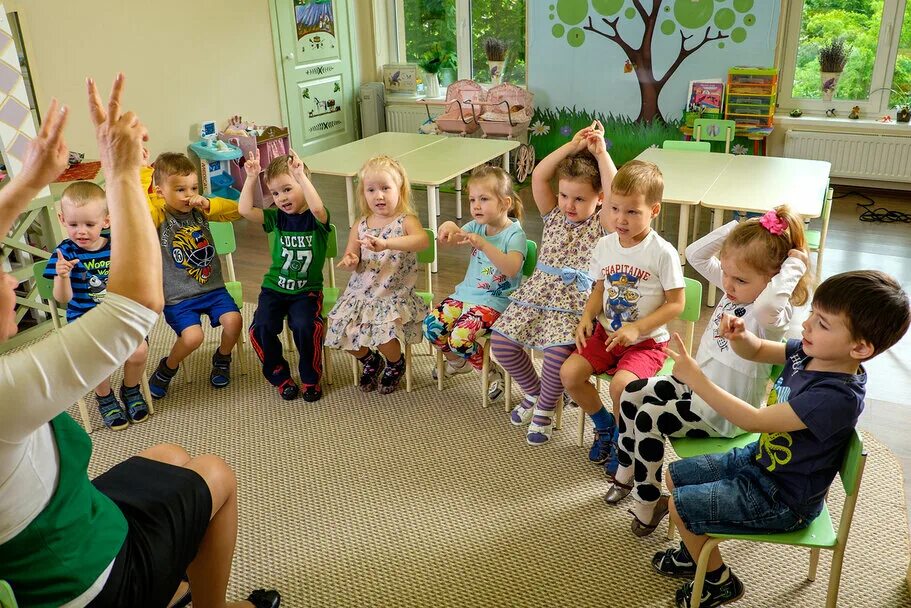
<point x="674" y="562"/>
<point x="640" y="528"/>
<point x="618" y="491"/>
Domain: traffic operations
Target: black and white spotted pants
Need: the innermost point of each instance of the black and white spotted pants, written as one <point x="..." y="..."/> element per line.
<point x="650" y="410"/>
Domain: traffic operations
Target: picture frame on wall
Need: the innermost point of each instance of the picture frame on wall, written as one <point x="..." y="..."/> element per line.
<point x="706" y="94"/>
<point x="401" y="78"/>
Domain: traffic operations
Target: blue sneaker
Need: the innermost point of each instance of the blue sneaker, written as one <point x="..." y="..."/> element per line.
<point x="161" y="379"/>
<point x="112" y="413"/>
<point x="603" y="448"/>
<point x="611" y="464"/>
<point x="135" y="403"/>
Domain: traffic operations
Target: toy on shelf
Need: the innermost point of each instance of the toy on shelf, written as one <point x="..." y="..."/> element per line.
<point x="271" y="143"/>
<point x="214" y="158"/>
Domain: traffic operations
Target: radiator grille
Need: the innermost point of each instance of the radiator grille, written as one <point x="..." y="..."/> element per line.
<point x="871" y="157"/>
<point x="406" y="118"/>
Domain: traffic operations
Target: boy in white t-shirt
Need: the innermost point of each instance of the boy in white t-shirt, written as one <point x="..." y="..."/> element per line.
<point x="638" y="289"/>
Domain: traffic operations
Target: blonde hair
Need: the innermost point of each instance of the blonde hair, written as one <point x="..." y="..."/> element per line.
<point x="389" y="165"/>
<point x="171" y="163"/>
<point x="80" y="194"/>
<point x="281" y="165"/>
<point x="501" y="185"/>
<point x="639" y="177"/>
<point x="766" y="252"/>
<point x="582" y="167"/>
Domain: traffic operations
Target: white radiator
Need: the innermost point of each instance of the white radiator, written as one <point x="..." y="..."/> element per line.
<point x="870" y="157"/>
<point x="407" y="117"/>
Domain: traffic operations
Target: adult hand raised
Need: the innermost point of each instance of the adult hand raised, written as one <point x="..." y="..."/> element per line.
<point x="120" y="135"/>
<point x="46" y="156"/>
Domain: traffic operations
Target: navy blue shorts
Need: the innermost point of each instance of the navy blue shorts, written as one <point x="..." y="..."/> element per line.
<point x="213" y="304"/>
<point x="728" y="494"/>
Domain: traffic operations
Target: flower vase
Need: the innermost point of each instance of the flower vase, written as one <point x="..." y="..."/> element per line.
<point x="432" y="82"/>
<point x="828" y="83"/>
<point x="496" y="71"/>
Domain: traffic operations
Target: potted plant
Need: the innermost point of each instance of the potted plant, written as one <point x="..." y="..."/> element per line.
<point x="832" y="59"/>
<point x="901" y="101"/>
<point x="432" y="61"/>
<point x="495" y="49"/>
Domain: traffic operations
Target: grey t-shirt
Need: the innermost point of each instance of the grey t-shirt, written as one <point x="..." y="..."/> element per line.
<point x="190" y="265"/>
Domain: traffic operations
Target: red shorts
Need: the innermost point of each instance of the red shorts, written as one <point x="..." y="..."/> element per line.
<point x="643" y="359"/>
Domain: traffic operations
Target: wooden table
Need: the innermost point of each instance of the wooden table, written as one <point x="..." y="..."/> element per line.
<point x="757" y="184"/>
<point x="687" y="177"/>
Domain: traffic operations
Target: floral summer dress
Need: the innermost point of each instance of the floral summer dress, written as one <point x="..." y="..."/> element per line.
<point x="545" y="310"/>
<point x="379" y="303"/>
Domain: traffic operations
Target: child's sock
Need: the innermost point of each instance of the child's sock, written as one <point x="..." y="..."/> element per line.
<point x="602" y="419"/>
<point x="718" y="576"/>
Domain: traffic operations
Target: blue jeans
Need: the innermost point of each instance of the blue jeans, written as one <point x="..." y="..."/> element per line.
<point x="728" y="494"/>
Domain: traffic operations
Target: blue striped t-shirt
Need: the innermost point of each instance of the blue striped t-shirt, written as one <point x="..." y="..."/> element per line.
<point x="89" y="278"/>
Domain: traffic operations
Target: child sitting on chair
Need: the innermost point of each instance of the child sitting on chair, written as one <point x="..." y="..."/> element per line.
<point x="79" y="267"/>
<point x="193" y="284"/>
<point x="292" y="287"/>
<point x="787" y="473"/>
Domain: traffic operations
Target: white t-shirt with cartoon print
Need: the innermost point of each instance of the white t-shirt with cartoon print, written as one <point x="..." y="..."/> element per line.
<point x="635" y="279"/>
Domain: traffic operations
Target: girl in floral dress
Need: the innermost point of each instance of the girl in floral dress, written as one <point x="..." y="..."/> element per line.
<point x="380" y="309"/>
<point x="546" y="309"/>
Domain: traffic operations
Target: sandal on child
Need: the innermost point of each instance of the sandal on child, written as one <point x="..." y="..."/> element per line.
<point x="640" y="528"/>
<point x="522" y="413"/>
<point x="539" y="434"/>
<point x="617" y="492"/>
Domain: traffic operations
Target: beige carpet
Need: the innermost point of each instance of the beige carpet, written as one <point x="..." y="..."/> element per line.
<point x="427" y="499"/>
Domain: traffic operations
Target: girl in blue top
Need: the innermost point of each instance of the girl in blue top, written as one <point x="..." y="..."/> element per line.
<point x="497" y="254"/>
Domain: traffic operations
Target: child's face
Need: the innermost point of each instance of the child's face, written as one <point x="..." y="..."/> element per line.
<point x="630" y="216"/>
<point x="742" y="282"/>
<point x="485" y="206"/>
<point x="177" y="190"/>
<point x="381" y="190"/>
<point x="827" y="337"/>
<point x="287" y="194"/>
<point x="84" y="224"/>
<point x="577" y="199"/>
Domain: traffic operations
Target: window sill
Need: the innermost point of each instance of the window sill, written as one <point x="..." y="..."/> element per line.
<point x="844" y="125"/>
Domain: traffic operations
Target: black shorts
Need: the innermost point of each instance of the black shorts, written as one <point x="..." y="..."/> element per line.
<point x="168" y="510"/>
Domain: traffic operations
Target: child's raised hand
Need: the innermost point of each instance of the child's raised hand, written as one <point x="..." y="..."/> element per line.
<point x="584" y="331"/>
<point x="624" y="336"/>
<point x="197" y="201"/>
<point x="470" y="238"/>
<point x="800" y="255"/>
<point x="64" y="267"/>
<point x="685" y="367"/>
<point x="731" y="328"/>
<point x="373" y="243"/>
<point x="297" y="166"/>
<point x="595" y="143"/>
<point x="349" y="261"/>
<point x="252" y="166"/>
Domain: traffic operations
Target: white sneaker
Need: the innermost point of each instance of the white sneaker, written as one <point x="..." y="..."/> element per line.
<point x="495" y="384"/>
<point x="452" y="368"/>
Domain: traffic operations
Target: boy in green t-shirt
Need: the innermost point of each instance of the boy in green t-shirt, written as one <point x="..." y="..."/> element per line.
<point x="292" y="287"/>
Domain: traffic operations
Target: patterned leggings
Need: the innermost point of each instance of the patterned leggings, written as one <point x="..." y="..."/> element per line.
<point x="650" y="410"/>
<point x="453" y="329"/>
<point x="548" y="387"/>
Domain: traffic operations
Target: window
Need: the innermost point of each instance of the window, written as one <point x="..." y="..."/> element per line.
<point x="460" y="27"/>
<point x="879" y="54"/>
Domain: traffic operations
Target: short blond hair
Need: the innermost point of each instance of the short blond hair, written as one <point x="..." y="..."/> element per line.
<point x="390" y="166"/>
<point x="80" y="194"/>
<point x="639" y="177"/>
<point x="281" y="165"/>
<point x="171" y="163"/>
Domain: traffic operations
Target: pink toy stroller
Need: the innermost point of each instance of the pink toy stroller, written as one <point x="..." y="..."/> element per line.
<point x="459" y="116"/>
<point x="507" y="113"/>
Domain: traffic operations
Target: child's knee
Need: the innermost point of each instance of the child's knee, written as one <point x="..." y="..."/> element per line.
<point x="574" y="371"/>
<point x="231" y="322"/>
<point x="432" y="328"/>
<point x="141" y="354"/>
<point x="192" y="337"/>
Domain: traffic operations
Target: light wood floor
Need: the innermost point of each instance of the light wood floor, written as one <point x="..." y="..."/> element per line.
<point x="851" y="245"/>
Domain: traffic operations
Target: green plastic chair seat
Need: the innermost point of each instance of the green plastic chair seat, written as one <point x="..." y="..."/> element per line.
<point x="689" y="146"/>
<point x="427" y="297"/>
<point x="820" y="534"/>
<point x="7" y="599"/>
<point x="687" y="447"/>
<point x="813" y="237"/>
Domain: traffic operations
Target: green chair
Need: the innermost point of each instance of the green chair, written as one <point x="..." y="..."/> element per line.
<point x="45" y="289"/>
<point x="7" y="599"/>
<point x="692" y="309"/>
<point x="688" y="146"/>
<point x="225" y="245"/>
<point x="714" y="129"/>
<point x="820" y="534"/>
<point x="816" y="239"/>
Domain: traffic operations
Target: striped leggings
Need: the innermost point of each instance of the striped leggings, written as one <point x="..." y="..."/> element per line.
<point x="547" y="387"/>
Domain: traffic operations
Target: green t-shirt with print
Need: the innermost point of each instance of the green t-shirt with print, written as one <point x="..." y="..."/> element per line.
<point x="298" y="245"/>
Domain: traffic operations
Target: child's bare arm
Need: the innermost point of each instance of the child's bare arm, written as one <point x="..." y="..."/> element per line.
<point x="415" y="238"/>
<point x="245" y="204"/>
<point x="606" y="167"/>
<point x="631" y="332"/>
<point x="593" y="307"/>
<point x="543" y="192"/>
<point x="314" y="202"/>
<point x="63" y="289"/>
<point x="448" y="233"/>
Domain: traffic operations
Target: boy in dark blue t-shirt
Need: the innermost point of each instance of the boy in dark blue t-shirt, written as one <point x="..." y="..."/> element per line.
<point x="779" y="483"/>
<point x="79" y="267"/>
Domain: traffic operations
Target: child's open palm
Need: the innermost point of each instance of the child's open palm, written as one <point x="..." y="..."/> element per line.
<point x="349" y="261"/>
<point x="64" y="267"/>
<point x="252" y="166"/>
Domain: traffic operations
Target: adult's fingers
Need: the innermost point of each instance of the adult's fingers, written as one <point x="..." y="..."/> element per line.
<point x="114" y="100"/>
<point x="96" y="109"/>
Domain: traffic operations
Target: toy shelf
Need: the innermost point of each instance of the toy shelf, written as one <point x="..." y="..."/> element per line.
<point x="273" y="142"/>
<point x="750" y="96"/>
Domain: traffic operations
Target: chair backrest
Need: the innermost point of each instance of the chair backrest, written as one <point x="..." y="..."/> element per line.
<point x="45" y="286"/>
<point x="852" y="466"/>
<point x="7" y="599"/>
<point x="689" y="146"/>
<point x="531" y="258"/>
<point x="223" y="235"/>
<point x="714" y="129"/>
<point x="692" y="308"/>
<point x="427" y="256"/>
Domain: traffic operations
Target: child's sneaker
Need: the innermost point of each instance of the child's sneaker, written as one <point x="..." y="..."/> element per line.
<point x="392" y="376"/>
<point x="265" y="598"/>
<point x="112" y="413"/>
<point x="539" y="432"/>
<point x="495" y="384"/>
<point x="728" y="589"/>
<point x="675" y="562"/>
<point x="161" y="379"/>
<point x="135" y="403"/>
<point x="220" y="376"/>
<point x="522" y="413"/>
<point x="612" y="464"/>
<point x="452" y="368"/>
<point x="603" y="446"/>
<point x="288" y="390"/>
<point x="373" y="367"/>
<point x="312" y="392"/>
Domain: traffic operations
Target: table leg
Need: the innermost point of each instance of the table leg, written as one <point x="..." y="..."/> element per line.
<point x="755" y="147"/>
<point x="458" y="193"/>
<point x="433" y="204"/>
<point x="717" y="221"/>
<point x="682" y="230"/>
<point x="506" y="161"/>
<point x="349" y="192"/>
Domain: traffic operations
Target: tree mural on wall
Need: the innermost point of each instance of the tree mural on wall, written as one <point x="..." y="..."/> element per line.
<point x="722" y="20"/>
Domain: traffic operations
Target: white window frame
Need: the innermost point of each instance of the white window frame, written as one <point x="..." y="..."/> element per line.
<point x="883" y="67"/>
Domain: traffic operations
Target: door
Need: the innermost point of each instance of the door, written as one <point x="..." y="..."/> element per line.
<point x="316" y="67"/>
